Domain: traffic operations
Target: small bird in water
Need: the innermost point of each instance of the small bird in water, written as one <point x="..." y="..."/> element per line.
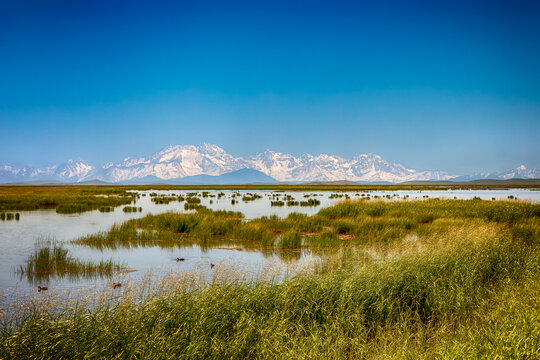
<point x="42" y="288"/>
<point x="212" y="266"/>
<point x="180" y="259"/>
<point x="116" y="285"/>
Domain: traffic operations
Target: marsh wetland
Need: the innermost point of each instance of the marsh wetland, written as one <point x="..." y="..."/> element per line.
<point x="354" y="272"/>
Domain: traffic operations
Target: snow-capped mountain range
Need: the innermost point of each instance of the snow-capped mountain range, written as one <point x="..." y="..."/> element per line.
<point x="184" y="161"/>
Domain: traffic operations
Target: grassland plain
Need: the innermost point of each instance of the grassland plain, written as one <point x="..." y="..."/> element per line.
<point x="65" y="199"/>
<point x="405" y="279"/>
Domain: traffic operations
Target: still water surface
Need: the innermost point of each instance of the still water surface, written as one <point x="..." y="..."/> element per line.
<point x="18" y="238"/>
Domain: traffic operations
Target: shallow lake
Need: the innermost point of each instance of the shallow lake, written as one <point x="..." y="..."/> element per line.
<point x="18" y="237"/>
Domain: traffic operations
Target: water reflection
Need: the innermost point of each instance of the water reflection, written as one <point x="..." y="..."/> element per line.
<point x="51" y="260"/>
<point x="17" y="238"/>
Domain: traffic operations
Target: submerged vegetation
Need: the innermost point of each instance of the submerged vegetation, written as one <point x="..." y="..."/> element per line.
<point x="10" y="216"/>
<point x="397" y="279"/>
<point x="251" y="197"/>
<point x="129" y="209"/>
<point x="310" y="202"/>
<point x="51" y="259"/>
<point x="165" y="199"/>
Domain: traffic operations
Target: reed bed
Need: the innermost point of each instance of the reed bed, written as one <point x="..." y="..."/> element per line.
<point x="351" y="222"/>
<point x="468" y="290"/>
<point x="51" y="260"/>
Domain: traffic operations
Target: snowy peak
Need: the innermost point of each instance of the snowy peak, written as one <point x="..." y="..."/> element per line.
<point x="184" y="161"/>
<point x="520" y="172"/>
<point x="70" y="171"/>
<point x="173" y="162"/>
<point x="73" y="170"/>
<point x="324" y="167"/>
<point x="274" y="164"/>
<point x="180" y="152"/>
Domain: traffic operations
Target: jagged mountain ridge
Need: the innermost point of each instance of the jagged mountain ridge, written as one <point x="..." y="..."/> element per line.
<point x="183" y="161"/>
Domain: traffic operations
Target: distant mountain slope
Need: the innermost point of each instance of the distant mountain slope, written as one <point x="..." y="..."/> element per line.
<point x="477" y="182"/>
<point x="521" y="172"/>
<point x="208" y="163"/>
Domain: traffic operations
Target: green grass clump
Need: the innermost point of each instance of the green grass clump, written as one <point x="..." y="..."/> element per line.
<point x="277" y="203"/>
<point x="290" y="239"/>
<point x="170" y="227"/>
<point x="130" y="209"/>
<point x="50" y="259"/>
<point x="251" y="197"/>
<point x="165" y="199"/>
<point x="193" y="206"/>
<point x="310" y="202"/>
<point x="193" y="200"/>
<point x="327" y="238"/>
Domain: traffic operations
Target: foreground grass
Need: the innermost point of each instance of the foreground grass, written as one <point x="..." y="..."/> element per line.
<point x="51" y="259"/>
<point x="505" y="327"/>
<point x="465" y="287"/>
<point x="420" y="305"/>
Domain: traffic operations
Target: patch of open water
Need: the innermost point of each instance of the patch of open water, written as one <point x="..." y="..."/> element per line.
<point x="18" y="237"/>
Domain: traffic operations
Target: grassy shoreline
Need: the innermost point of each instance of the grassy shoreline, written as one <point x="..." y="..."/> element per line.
<point x="64" y="199"/>
<point x="462" y="281"/>
<point x="350" y="222"/>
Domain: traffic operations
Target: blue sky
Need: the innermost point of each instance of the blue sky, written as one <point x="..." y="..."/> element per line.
<point x="443" y="85"/>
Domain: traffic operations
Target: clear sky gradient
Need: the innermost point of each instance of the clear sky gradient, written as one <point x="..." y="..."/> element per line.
<point x="441" y="85"/>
